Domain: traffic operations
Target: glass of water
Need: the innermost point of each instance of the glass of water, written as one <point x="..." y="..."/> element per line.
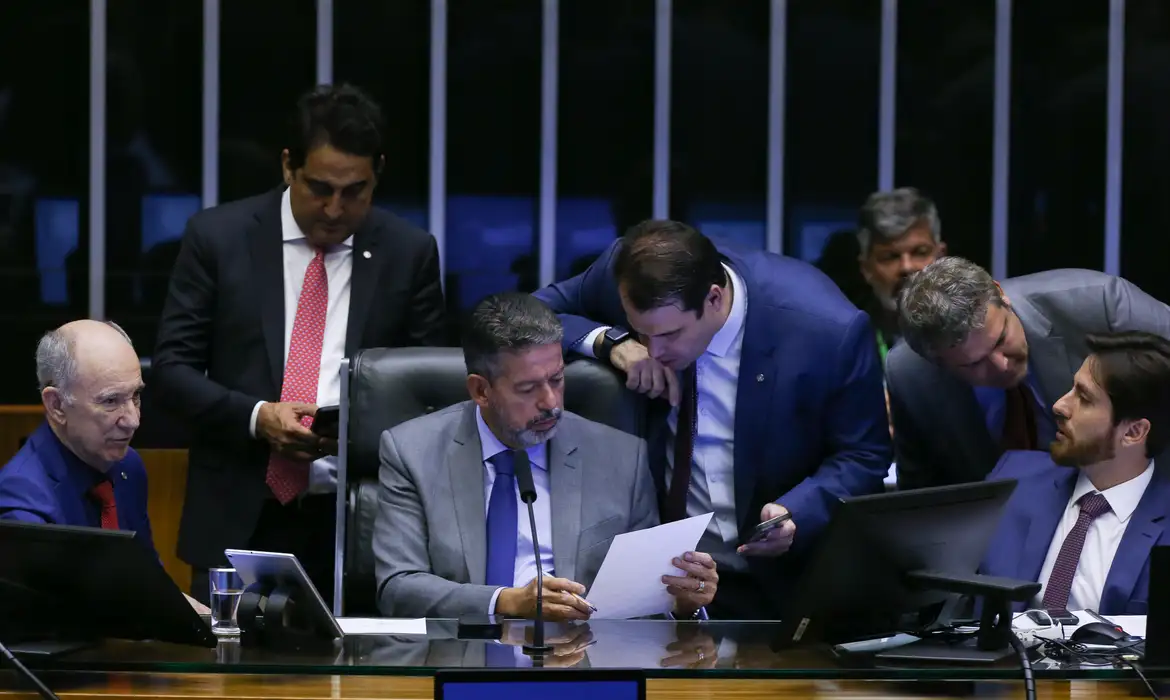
<point x="226" y="590"/>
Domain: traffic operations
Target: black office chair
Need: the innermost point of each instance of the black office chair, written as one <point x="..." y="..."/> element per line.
<point x="388" y="386"/>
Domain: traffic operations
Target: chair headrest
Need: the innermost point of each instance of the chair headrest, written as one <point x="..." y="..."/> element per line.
<point x="389" y="386"/>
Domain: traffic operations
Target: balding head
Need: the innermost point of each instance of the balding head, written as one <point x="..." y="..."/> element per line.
<point x="90" y="384"/>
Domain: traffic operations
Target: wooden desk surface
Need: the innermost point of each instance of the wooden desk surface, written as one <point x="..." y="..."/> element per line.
<point x="253" y="687"/>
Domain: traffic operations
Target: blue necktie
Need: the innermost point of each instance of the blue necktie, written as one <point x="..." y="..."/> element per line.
<point x="501" y="524"/>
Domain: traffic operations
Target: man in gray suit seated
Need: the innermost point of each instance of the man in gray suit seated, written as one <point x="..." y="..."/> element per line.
<point x="451" y="537"/>
<point x="982" y="363"/>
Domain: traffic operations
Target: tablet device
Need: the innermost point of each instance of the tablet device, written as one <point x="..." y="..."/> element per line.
<point x="279" y="569"/>
<point x="540" y="684"/>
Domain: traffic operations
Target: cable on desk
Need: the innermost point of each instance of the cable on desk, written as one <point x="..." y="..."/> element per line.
<point x="1026" y="665"/>
<point x="1142" y="676"/>
<point x="21" y="669"/>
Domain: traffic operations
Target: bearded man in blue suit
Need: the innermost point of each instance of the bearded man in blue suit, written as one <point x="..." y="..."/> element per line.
<point x="1083" y="519"/>
<point x="774" y="394"/>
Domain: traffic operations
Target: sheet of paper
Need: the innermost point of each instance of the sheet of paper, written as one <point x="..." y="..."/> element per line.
<point x="382" y="625"/>
<point x="629" y="583"/>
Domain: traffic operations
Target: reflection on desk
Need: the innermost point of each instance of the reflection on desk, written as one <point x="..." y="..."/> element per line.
<point x="662" y="648"/>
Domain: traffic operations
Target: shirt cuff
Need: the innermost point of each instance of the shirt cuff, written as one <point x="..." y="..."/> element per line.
<point x="585" y="345"/>
<point x="492" y="604"/>
<point x="255" y="415"/>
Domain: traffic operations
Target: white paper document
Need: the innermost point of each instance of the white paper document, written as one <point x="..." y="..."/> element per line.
<point x="629" y="583"/>
<point x="381" y="625"/>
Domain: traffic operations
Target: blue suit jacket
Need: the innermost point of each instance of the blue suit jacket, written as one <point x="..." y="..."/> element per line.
<point x="1031" y="516"/>
<point x="810" y="415"/>
<point x="46" y="483"/>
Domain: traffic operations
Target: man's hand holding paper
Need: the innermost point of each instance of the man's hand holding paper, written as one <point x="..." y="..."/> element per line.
<point x="637" y="580"/>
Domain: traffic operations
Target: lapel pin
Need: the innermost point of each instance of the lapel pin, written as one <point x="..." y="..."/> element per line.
<point x="759" y="377"/>
<point x="366" y="254"/>
<point x="123" y="476"/>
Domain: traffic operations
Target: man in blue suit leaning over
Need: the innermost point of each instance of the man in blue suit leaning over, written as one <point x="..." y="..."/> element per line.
<point x="1082" y="519"/>
<point x="769" y="371"/>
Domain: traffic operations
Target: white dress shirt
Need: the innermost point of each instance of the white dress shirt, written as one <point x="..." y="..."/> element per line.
<point x="1101" y="542"/>
<point x="713" y="469"/>
<point x="525" y="569"/>
<point x="297" y="255"/>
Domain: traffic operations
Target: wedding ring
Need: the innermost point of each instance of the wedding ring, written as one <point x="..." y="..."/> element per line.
<point x="701" y="656"/>
<point x="702" y="587"/>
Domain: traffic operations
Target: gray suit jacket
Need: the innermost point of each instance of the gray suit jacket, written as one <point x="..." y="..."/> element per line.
<point x="940" y="432"/>
<point x="430" y="536"/>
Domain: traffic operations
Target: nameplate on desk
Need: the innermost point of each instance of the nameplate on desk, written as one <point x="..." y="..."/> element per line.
<point x="381" y="626"/>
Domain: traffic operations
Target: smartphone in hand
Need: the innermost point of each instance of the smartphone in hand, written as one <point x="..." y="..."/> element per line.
<point x="327" y="422"/>
<point x="767" y="526"/>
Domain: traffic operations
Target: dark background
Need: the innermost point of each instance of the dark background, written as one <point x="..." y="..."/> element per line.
<point x="606" y="110"/>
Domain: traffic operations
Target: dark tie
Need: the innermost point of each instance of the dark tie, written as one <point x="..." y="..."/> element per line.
<point x="103" y="494"/>
<point x="675" y="507"/>
<point x="1019" y="419"/>
<point x="501" y="524"/>
<point x="1092" y="505"/>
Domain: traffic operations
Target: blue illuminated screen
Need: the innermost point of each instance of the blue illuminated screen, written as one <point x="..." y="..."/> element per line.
<point x="541" y="690"/>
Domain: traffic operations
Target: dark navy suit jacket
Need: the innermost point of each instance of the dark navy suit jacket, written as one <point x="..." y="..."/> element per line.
<point x="1034" y="510"/>
<point x="46" y="483"/>
<point x="810" y="415"/>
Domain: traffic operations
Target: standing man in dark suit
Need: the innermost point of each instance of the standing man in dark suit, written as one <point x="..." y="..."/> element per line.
<point x="780" y="398"/>
<point x="983" y="363"/>
<point x="1082" y="521"/>
<point x="267" y="296"/>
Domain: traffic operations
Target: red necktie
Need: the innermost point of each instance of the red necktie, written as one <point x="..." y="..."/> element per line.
<point x="675" y="507"/>
<point x="286" y="477"/>
<point x="1019" y="419"/>
<point x="103" y="493"/>
<point x="1093" y="506"/>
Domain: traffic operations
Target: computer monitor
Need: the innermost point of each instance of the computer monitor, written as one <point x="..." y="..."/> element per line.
<point x="859" y="584"/>
<point x="540" y="684"/>
<point x="80" y="584"/>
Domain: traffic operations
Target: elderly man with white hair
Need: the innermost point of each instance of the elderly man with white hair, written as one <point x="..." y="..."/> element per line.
<point x="78" y="468"/>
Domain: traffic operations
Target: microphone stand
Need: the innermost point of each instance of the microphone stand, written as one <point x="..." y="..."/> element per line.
<point x="522" y="468"/>
<point x="22" y="670"/>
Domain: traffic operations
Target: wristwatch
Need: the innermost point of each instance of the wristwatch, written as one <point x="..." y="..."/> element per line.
<point x="610" y="339"/>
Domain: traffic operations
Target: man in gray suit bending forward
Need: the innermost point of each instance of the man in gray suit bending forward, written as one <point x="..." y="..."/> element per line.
<point x="982" y="363"/>
<point x="451" y="536"/>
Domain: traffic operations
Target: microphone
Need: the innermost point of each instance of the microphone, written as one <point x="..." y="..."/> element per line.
<point x="522" y="469"/>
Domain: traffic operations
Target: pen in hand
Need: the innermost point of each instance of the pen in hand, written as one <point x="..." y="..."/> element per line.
<point x="585" y="602"/>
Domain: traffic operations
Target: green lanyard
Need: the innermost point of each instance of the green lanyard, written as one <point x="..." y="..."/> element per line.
<point x="882" y="347"/>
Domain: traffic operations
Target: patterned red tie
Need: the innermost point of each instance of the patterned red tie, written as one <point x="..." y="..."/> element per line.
<point x="1093" y="506"/>
<point x="103" y="493"/>
<point x="288" y="478"/>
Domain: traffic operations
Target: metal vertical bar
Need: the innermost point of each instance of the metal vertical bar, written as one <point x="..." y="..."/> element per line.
<point x="324" y="42"/>
<point x="342" y="491"/>
<point x="887" y="98"/>
<point x="777" y="73"/>
<point x="97" y="159"/>
<point x="662" y="29"/>
<point x="549" y="65"/>
<point x="437" y="218"/>
<point x="210" y="103"/>
<point x="1001" y="147"/>
<point x="1114" y="123"/>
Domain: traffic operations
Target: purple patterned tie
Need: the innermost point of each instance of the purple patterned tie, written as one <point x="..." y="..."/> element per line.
<point x="1093" y="505"/>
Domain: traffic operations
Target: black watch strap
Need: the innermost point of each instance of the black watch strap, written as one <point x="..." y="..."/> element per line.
<point x="612" y="338"/>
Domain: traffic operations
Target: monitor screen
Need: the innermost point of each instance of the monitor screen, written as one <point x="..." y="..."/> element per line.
<point x="542" y="690"/>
